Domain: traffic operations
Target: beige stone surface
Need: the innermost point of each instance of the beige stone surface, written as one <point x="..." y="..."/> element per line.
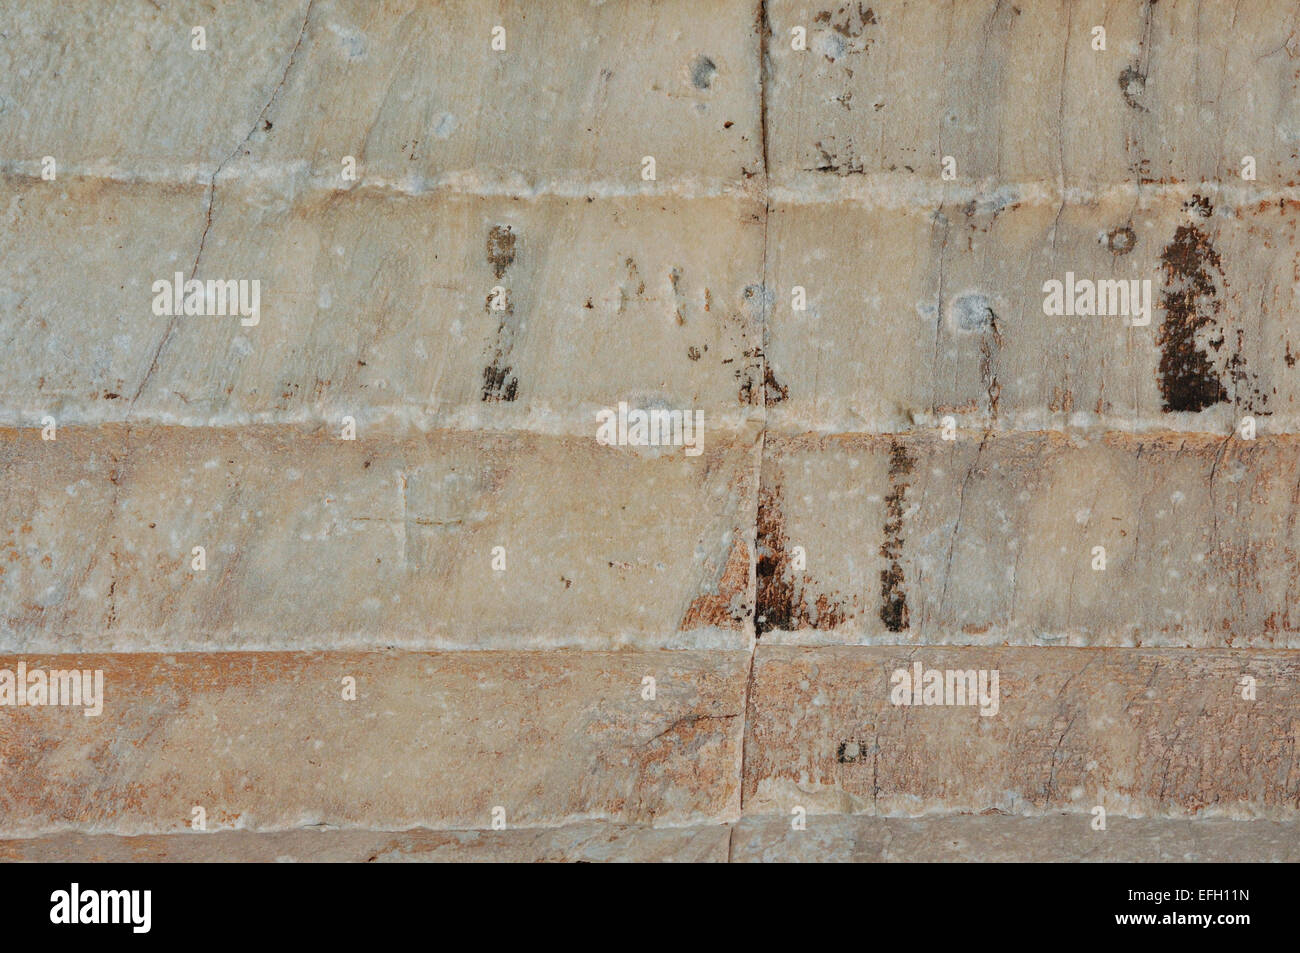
<point x="913" y="539"/>
<point x="1016" y="93"/>
<point x="585" y="842"/>
<point x="827" y="534"/>
<point x="1140" y="733"/>
<point x="412" y="89"/>
<point x="917" y="312"/>
<point x="380" y="307"/>
<point x="995" y="838"/>
<point x="757" y="839"/>
<point x="267" y="741"/>
<point x="318" y="542"/>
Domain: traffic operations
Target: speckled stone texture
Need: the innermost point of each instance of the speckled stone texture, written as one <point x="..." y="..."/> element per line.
<point x="364" y="578"/>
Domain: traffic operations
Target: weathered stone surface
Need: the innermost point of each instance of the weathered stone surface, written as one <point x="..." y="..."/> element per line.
<point x="1156" y="733"/>
<point x="1015" y="92"/>
<point x="413" y="90"/>
<point x="765" y="839"/>
<point x="380" y="307"/>
<point x="266" y="741"/>
<point x="990" y="540"/>
<point x="996" y="838"/>
<point x="920" y="312"/>
<point x="826" y="516"/>
<point x="317" y="542"/>
<point x="589" y="842"/>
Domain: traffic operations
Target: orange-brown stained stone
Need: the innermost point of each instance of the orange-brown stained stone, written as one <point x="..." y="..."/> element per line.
<point x="1138" y="732"/>
<point x="266" y="741"/>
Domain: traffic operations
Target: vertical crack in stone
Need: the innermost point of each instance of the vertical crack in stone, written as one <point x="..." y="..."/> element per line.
<point x="769" y="537"/>
<point x="763" y="28"/>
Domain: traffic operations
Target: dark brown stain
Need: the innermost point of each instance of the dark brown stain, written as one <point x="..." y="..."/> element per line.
<point x="990" y="349"/>
<point x="1188" y="380"/>
<point x="893" y="597"/>
<point x="1132" y="85"/>
<point x="634" y="275"/>
<point x="626" y="291"/>
<point x="498" y="383"/>
<point x="775" y="606"/>
<point x="675" y="278"/>
<point x="774" y="392"/>
<point x="845" y="755"/>
<point x="1121" y="240"/>
<point x="848" y="21"/>
<point x="501" y="249"/>
<point x="750" y="393"/>
<point x="837" y="161"/>
<point x="781" y="601"/>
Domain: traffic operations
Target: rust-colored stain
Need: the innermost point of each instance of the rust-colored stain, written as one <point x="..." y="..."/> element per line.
<point x="727" y="607"/>
<point x="782" y="601"/>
